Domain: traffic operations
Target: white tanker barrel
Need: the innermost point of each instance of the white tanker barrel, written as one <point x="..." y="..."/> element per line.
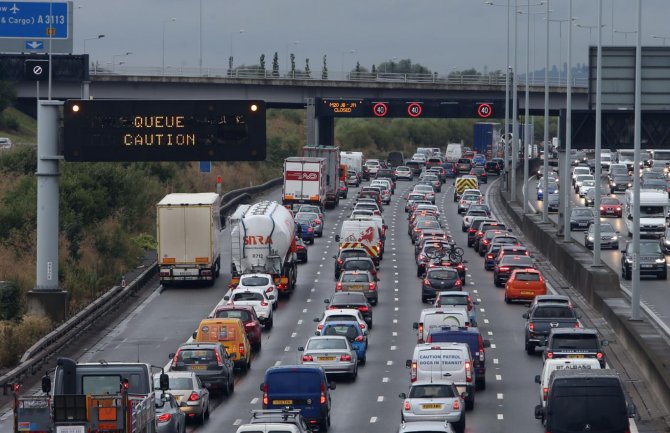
<point x="268" y="231"/>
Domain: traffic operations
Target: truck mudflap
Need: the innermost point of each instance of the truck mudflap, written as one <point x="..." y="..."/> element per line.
<point x="332" y="200"/>
<point x="32" y="414"/>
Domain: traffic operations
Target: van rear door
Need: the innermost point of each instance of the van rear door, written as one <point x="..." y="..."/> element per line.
<point x="601" y="405"/>
<point x="295" y="388"/>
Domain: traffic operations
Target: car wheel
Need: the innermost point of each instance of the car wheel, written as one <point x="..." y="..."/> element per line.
<point x="480" y="384"/>
<point x="269" y="323"/>
<point x="507" y="299"/>
<point x="201" y="418"/>
<point x="459" y="427"/>
<point x="530" y="348"/>
<point x="362" y="361"/>
<point x="663" y="276"/>
<point x="624" y="274"/>
<point x="207" y="411"/>
<point x="463" y="228"/>
<point x="354" y="375"/>
<point x="323" y="424"/>
<point x="470" y="402"/>
<point x="259" y="345"/>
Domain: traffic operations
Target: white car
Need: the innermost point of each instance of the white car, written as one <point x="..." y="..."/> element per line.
<point x="254" y="297"/>
<point x="580" y="179"/>
<point x="403" y="172"/>
<point x="263" y="281"/>
<point x="421" y="157"/>
<point x="434" y="400"/>
<point x="341" y="315"/>
<point x="373" y="166"/>
<point x="5" y="143"/>
<point x="585" y="187"/>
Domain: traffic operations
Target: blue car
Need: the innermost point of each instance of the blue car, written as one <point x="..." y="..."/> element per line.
<point x="479" y="160"/>
<point x="356" y="336"/>
<point x="305" y="232"/>
<point x="552" y="187"/>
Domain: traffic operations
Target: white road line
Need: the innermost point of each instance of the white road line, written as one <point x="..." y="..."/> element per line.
<point x="394" y="347"/>
<point x="312" y="289"/>
<point x="500" y="417"/>
<point x="481" y="309"/>
<point x="396" y="299"/>
<point x="495" y="360"/>
<point x="395" y="320"/>
<point x="373" y="419"/>
<point x="500" y="396"/>
<point x="493" y="345"/>
<point x="395" y="334"/>
<point x="278" y="363"/>
<point x="304" y="310"/>
<point x="300" y="322"/>
<point x="385" y="379"/>
<point x="254" y="400"/>
<point x="490" y="332"/>
<point x="238" y="421"/>
<point x="498" y="377"/>
<point x="389" y="362"/>
<point x="395" y="308"/>
<point x="287" y="348"/>
<point x="293" y="334"/>
<point x="475" y="291"/>
<point x="380" y="398"/>
<point x="395" y="281"/>
<point x="318" y="272"/>
<point x="310" y="300"/>
<point x="485" y="320"/>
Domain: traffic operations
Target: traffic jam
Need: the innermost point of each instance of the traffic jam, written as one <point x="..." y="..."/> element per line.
<point x="447" y="367"/>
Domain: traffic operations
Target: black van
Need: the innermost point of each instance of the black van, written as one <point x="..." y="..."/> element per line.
<point x="395" y="159"/>
<point x="585" y="400"/>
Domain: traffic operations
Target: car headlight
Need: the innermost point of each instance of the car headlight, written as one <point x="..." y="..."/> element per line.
<point x="660" y="260"/>
<point x="629" y="259"/>
<point x="590" y="237"/>
<point x="539" y="191"/>
<point x="667" y="241"/>
<point x="615" y="238"/>
<point x="613" y="184"/>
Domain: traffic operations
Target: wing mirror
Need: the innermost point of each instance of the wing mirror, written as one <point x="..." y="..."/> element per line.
<point x="164" y="382"/>
<point x="415" y="325"/>
<point x="486" y="344"/>
<point x="525" y="315"/>
<point x="538" y="379"/>
<point x="337" y="238"/>
<point x="408" y="363"/>
<point x="195" y="335"/>
<point x="326" y="301"/>
<point x="301" y="349"/>
<point x="402" y="395"/>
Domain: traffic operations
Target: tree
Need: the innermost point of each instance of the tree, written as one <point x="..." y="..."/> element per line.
<point x="358" y="68"/>
<point x="275" y="65"/>
<point x="292" y="57"/>
<point x="308" y="72"/>
<point x="324" y="71"/>
<point x="374" y="69"/>
<point x="262" y="61"/>
<point x="230" y="64"/>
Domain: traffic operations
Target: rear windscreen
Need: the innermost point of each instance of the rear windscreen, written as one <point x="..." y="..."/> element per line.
<point x="198" y="356"/>
<point x="255" y="281"/>
<point x="247" y="296"/>
<point x="575" y="342"/>
<point x="355" y="278"/>
<point x="432" y="391"/>
<point x="293" y="382"/>
<point x="603" y="409"/>
<point x="453" y="300"/>
<point x="233" y="314"/>
<point x="553" y="313"/>
<point x="176" y="383"/>
<point x="358" y="264"/>
<point x="442" y="274"/>
<point x="527" y="276"/>
<point x="348" y="331"/>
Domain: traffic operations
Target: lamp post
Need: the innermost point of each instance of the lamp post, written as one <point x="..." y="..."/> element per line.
<point x="342" y="65"/>
<point x="114" y="57"/>
<point x="624" y="32"/>
<point x="545" y="165"/>
<point x="568" y="134"/>
<point x="232" y="54"/>
<point x="95" y="38"/>
<point x="663" y="38"/>
<point x="200" y="41"/>
<point x="590" y="29"/>
<point x="598" y="137"/>
<point x="637" y="129"/>
<point x="560" y="43"/>
<point x="164" y="22"/>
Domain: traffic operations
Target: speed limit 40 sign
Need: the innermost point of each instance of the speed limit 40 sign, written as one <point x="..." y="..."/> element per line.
<point x="484" y="109"/>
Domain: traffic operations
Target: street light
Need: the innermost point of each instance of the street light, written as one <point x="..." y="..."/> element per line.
<point x="239" y="32"/>
<point x="288" y="59"/>
<point x="590" y="29"/>
<point x="567" y="234"/>
<point x="560" y="43"/>
<point x="95" y="38"/>
<point x="164" y="22"/>
<point x="114" y="57"/>
<point x="663" y="38"/>
<point x="342" y="65"/>
<point x="624" y="32"/>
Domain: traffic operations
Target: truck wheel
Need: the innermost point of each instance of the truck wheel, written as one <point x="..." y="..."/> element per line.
<point x="217" y="269"/>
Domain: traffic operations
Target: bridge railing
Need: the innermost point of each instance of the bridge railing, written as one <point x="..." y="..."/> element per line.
<point x="319" y="75"/>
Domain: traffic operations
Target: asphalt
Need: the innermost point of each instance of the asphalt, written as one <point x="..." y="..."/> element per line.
<point x="166" y="318"/>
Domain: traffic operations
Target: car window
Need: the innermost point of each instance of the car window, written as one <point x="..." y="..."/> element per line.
<point x="349" y="331"/>
<point x="355" y="278"/>
<point x="432" y="391"/>
<point x="551" y="312"/>
<point x="326" y="343"/>
<point x="346" y="254"/>
<point x="517" y="261"/>
<point x="442" y="274"/>
<point x="196" y="356"/>
<point x="233" y="314"/>
<point x="650" y="248"/>
<point x="255" y="281"/>
<point x="247" y="296"/>
<point x="176" y="383"/>
<point x="361" y="265"/>
<point x="453" y="300"/>
<point x="340" y="318"/>
<point x="575" y="341"/>
<point x="527" y="276"/>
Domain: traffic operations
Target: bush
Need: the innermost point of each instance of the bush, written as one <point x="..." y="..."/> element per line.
<point x="10" y="300"/>
<point x="18" y="337"/>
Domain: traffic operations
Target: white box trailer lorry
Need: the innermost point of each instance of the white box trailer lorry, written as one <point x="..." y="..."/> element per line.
<point x="189" y="231"/>
<point x="263" y="241"/>
<point x="354" y="160"/>
<point x="653" y="210"/>
<point x="332" y="157"/>
<point x="304" y="181"/>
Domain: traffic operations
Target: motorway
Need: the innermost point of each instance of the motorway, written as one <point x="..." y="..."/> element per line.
<point x="371" y="404"/>
<point x="654" y="292"/>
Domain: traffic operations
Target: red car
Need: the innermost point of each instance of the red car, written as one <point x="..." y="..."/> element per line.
<point x="610" y="206"/>
<point x="247" y="315"/>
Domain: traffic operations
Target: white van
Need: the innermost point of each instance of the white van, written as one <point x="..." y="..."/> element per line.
<point x="654" y="206"/>
<point x="362" y="233"/>
<point x="445" y="361"/>
<point x="451" y="315"/>
<point x="551" y="365"/>
<point x="454" y="152"/>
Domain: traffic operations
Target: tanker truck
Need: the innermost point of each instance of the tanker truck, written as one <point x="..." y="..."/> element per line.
<point x="263" y="241"/>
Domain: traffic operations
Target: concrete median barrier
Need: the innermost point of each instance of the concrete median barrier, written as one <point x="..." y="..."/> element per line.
<point x="645" y="342"/>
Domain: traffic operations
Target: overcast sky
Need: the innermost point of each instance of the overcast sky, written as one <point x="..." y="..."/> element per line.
<point x="441" y="34"/>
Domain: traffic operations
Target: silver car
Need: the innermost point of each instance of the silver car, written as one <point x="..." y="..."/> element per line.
<point x="333" y="353"/>
<point x="191" y="396"/>
<point x="434" y="401"/>
<point x="425" y="426"/>
<point x="169" y="418"/>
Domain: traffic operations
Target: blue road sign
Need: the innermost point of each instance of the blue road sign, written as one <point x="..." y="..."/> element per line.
<point x="34" y="20"/>
<point x="205" y="166"/>
<point x="34" y="45"/>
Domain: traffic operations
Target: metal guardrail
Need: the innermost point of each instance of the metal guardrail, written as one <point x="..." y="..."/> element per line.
<point x="33" y="359"/>
<point x="379" y="77"/>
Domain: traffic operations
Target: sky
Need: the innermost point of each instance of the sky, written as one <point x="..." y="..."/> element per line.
<point x="443" y="35"/>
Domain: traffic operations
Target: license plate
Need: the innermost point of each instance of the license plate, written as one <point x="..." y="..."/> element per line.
<point x="575" y="356"/>
<point x="70" y="429"/>
<point x="647" y="266"/>
<point x="326" y="358"/>
<point x="527" y="292"/>
<point x="197" y="367"/>
<point x="282" y="402"/>
<point x="431" y="406"/>
<point x="582" y="224"/>
<point x="610" y="210"/>
<point x="356" y="288"/>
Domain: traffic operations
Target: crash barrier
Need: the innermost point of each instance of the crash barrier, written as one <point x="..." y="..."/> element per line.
<point x="34" y="358"/>
<point x="644" y="342"/>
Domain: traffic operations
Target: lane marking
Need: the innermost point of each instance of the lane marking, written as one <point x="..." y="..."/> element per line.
<point x="500" y="417"/>
<point x="385" y="379"/>
<point x="498" y="377"/>
<point x="500" y="396"/>
<point x="495" y="360"/>
<point x="380" y="398"/>
<point x="287" y="348"/>
<point x="295" y="333"/>
<point x="373" y="420"/>
<point x="254" y="400"/>
<point x="304" y="310"/>
<point x="490" y="332"/>
<point x="481" y="309"/>
<point x="238" y="421"/>
<point x="485" y="320"/>
<point x="278" y="363"/>
<point x="395" y="334"/>
<point x="300" y="322"/>
<point x="389" y="362"/>
<point x="493" y="345"/>
<point x="393" y="347"/>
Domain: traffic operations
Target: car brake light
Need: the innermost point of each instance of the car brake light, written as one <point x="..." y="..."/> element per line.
<point x="241" y="350"/>
<point x="545" y="391"/>
<point x="174" y="360"/>
<point x="550" y="355"/>
<point x="458" y="283"/>
<point x="269" y="289"/>
<point x="599" y="355"/>
<point x="420" y="331"/>
<point x="193" y="397"/>
<point x="309" y="230"/>
<point x="265" y="394"/>
<point x="459" y="266"/>
<point x="531" y="326"/>
<point x="345" y="358"/>
<point x="426" y="282"/>
<point x="373" y="286"/>
<point x="359" y="338"/>
<point x="576" y="324"/>
<point x="468" y="371"/>
<point x="320" y="326"/>
<point x="361" y="325"/>
<point x="412" y="372"/>
<point x="164" y="417"/>
<point x="317" y="221"/>
<point x="407" y="406"/>
<point x="264" y="304"/>
<point x="338" y="287"/>
<point x="340" y="261"/>
<point x="307" y="358"/>
<point x="322" y="399"/>
<point x="489" y="256"/>
<point x="219" y="361"/>
<point x="504" y="268"/>
<point x="456" y="405"/>
<point x="602" y="208"/>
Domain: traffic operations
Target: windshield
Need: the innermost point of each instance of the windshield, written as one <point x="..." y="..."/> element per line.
<point x="661" y="154"/>
<point x="604" y="228"/>
<point x="326" y="343"/>
<point x="650" y="248"/>
<point x="652" y="212"/>
<point x="255" y="281"/>
<point x="607" y="200"/>
<point x="582" y="212"/>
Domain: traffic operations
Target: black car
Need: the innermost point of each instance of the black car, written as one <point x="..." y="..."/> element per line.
<point x="347" y="253"/>
<point x="210" y="362"/>
<point x="575" y="343"/>
<point x="439" y="279"/>
<point x="652" y="260"/>
<point x="620" y="183"/>
<point x="474" y="227"/>
<point x="301" y="250"/>
<point x="665" y="241"/>
<point x="492" y="167"/>
<point x="507" y="264"/>
<point x="581" y="217"/>
<point x="387" y="173"/>
<point x="352" y="300"/>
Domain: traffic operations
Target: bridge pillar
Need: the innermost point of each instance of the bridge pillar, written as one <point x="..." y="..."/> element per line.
<point x="325" y="130"/>
<point x="311" y="122"/>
